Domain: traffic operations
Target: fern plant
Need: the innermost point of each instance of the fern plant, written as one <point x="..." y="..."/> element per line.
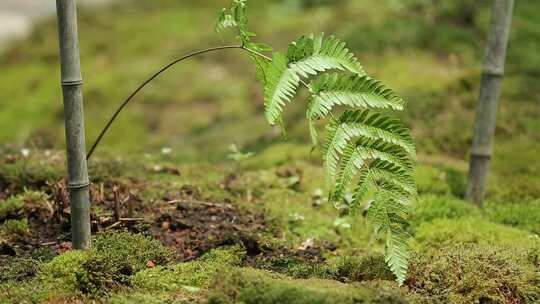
<point x="365" y="152"/>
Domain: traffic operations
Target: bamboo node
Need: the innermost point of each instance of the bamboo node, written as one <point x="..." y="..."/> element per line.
<point x="78" y="185"/>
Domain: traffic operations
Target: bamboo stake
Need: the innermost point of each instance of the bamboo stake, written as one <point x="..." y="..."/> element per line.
<point x="486" y="114"/>
<point x="78" y="182"/>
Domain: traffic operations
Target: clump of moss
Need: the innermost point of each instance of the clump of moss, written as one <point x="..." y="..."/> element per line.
<point x="62" y="270"/>
<point x="444" y="232"/>
<point x="525" y="215"/>
<point x="31" y="202"/>
<point x="33" y="172"/>
<point x="456" y="181"/>
<point x="142" y="298"/>
<point x="361" y="268"/>
<point x="18" y="269"/>
<point x="11" y="208"/>
<point x="43" y="254"/>
<point x="430" y="207"/>
<point x="56" y="281"/>
<point x="194" y="274"/>
<point x="475" y="274"/>
<point x="131" y="252"/>
<point x="293" y="266"/>
<point x="251" y="286"/>
<point x="432" y="180"/>
<point x="25" y="292"/>
<point x="78" y="274"/>
<point x="305" y="270"/>
<point x="14" y="228"/>
<point x="117" y="256"/>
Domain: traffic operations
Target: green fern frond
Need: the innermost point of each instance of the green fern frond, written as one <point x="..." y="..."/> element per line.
<point x="376" y="127"/>
<point x="386" y="215"/>
<point x="382" y="160"/>
<point x="307" y="56"/>
<point x="361" y="147"/>
<point x="356" y="154"/>
<point x="399" y="183"/>
<point x="281" y="85"/>
<point x="379" y="150"/>
<point x="334" y="144"/>
<point x="382" y="139"/>
<point x="310" y="55"/>
<point x="351" y="163"/>
<point x="354" y="91"/>
<point x="235" y="18"/>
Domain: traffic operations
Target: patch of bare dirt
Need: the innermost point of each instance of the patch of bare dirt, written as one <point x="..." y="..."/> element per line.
<point x="179" y="219"/>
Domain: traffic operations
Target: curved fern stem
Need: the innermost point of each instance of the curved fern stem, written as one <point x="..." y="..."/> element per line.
<point x="156" y="74"/>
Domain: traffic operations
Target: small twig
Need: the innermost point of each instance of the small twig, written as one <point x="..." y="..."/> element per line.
<point x="129" y="202"/>
<point x="208" y="204"/>
<point x="48" y="243"/>
<point x="113" y="225"/>
<point x="131" y="219"/>
<point x="116" y="201"/>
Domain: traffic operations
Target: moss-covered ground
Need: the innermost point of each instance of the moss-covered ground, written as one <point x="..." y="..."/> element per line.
<point x="239" y="233"/>
<point x="176" y="222"/>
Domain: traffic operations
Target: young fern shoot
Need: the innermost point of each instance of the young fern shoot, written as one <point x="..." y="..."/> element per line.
<point x="364" y="151"/>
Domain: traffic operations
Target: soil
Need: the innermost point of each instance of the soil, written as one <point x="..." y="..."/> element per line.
<point x="180" y="220"/>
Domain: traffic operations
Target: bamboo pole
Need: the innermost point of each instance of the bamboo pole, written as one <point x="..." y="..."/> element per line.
<point x="78" y="182"/>
<point x="486" y="114"/>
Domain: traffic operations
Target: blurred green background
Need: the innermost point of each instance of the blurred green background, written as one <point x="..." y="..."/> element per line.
<point x="429" y="51"/>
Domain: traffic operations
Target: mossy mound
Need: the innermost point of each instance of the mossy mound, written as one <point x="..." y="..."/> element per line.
<point x="431" y="207"/>
<point x="524" y="215"/>
<point x="116" y="256"/>
<point x="104" y="268"/>
<point x="18" y="269"/>
<point x="442" y="233"/>
<point x="361" y="268"/>
<point x="251" y="286"/>
<point x="475" y="274"/>
<point x="189" y="276"/>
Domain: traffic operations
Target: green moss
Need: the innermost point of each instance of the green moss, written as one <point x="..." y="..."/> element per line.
<point x="475" y="274"/>
<point x="56" y="281"/>
<point x="11" y="207"/>
<point x="62" y="270"/>
<point x="444" y="232"/>
<point x="432" y="180"/>
<point x="34" y="171"/>
<point x="194" y="274"/>
<point x="524" y="215"/>
<point x="43" y="254"/>
<point x="127" y="252"/>
<point x="294" y="266"/>
<point x="361" y="268"/>
<point x="115" y="257"/>
<point x="144" y="298"/>
<point x="14" y="228"/>
<point x="278" y="154"/>
<point x="17" y="269"/>
<point x="431" y="207"/>
<point x="36" y="291"/>
<point x="246" y="285"/>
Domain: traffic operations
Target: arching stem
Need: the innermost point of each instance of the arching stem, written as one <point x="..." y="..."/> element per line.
<point x="159" y="72"/>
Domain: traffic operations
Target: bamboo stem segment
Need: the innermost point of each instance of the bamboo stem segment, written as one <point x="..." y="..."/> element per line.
<point x="78" y="182"/>
<point x="490" y="87"/>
